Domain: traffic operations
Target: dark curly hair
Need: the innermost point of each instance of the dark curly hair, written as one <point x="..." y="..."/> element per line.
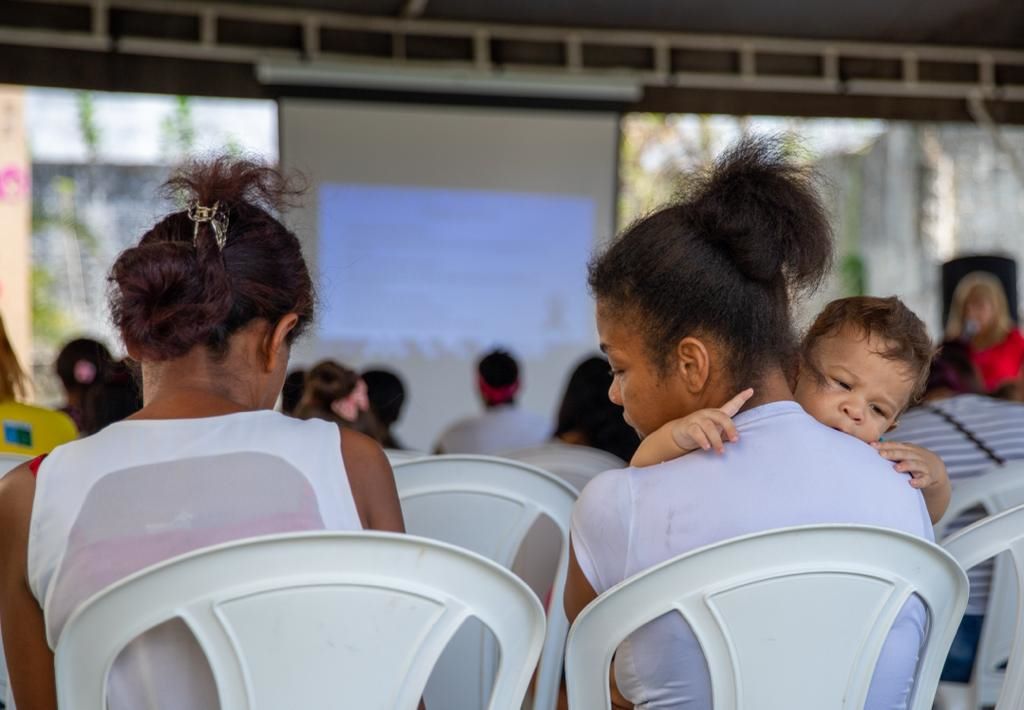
<point x="173" y="292"/>
<point x="724" y="261"/>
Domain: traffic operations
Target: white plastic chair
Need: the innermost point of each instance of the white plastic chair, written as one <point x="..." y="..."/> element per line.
<point x="998" y="490"/>
<point x="487" y="505"/>
<point x="362" y="618"/>
<point x="398" y="455"/>
<point x="791" y="618"/>
<point x="574" y="464"/>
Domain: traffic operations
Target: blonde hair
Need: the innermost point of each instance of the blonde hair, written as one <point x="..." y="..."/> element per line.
<point x="13" y="384"/>
<point x="992" y="288"/>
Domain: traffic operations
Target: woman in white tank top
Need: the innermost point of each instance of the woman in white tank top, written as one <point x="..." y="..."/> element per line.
<point x="693" y="307"/>
<point x="209" y="303"/>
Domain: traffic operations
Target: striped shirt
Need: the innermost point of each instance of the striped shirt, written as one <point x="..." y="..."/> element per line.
<point x="997" y="428"/>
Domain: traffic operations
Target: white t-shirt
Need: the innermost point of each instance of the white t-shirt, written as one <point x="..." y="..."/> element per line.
<point x="786" y="469"/>
<point x="496" y="431"/>
<point x="143" y="491"/>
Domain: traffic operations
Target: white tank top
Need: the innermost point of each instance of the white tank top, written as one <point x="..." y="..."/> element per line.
<point x="143" y="491"/>
<point x="786" y="469"/>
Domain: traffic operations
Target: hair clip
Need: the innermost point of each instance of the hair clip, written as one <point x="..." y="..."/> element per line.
<point x="217" y="219"/>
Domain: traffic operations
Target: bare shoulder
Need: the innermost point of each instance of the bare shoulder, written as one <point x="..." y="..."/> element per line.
<point x="360" y="451"/>
<point x="372" y="482"/>
<point x="17" y="490"/>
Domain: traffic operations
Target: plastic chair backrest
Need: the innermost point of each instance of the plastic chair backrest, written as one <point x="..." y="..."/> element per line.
<point x="1000" y="489"/>
<point x="755" y="605"/>
<point x="1003" y="532"/>
<point x="398" y="455"/>
<point x="8" y="462"/>
<point x="361" y="618"/>
<point x="488" y="505"/>
<point x="574" y="464"/>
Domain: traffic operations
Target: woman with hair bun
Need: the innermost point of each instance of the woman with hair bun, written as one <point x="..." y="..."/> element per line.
<point x="334" y="393"/>
<point x="208" y="303"/>
<point x="693" y="307"/>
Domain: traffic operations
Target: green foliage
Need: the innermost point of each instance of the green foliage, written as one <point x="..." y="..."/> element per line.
<point x="49" y="323"/>
<point x="65" y="217"/>
<point x="177" y="130"/>
<point x="853" y="272"/>
<point x="87" y="125"/>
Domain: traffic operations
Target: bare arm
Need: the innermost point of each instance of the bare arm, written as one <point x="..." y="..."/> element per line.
<point x="29" y="658"/>
<point x="704" y="429"/>
<point x="372" y="482"/>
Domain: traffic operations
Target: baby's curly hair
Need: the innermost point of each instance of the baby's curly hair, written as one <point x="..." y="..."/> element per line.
<point x="902" y="335"/>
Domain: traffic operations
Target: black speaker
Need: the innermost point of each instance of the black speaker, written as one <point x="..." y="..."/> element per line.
<point x="1003" y="267"/>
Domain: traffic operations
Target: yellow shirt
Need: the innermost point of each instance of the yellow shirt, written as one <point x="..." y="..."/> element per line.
<point x="31" y="431"/>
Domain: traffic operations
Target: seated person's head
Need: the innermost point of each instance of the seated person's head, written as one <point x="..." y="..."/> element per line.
<point x="863" y="362"/>
<point x="216" y="293"/>
<point x="291" y="392"/>
<point x="588" y="417"/>
<point x="116" y="397"/>
<point x="498" y="378"/>
<point x="387" y="395"/>
<point x="693" y="301"/>
<point x="81" y="363"/>
<point x="335" y="393"/>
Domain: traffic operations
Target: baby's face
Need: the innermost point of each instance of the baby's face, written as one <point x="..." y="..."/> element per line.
<point x="860" y="392"/>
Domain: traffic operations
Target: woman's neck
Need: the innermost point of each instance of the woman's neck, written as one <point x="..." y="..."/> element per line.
<point x="193" y="386"/>
<point x="773" y="387"/>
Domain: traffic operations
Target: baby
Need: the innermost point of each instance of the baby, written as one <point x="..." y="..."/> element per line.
<point x="863" y="362"/>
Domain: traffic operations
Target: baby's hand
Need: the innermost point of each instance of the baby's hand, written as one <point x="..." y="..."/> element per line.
<point x="700" y="430"/>
<point x="705" y="428"/>
<point x="926" y="469"/>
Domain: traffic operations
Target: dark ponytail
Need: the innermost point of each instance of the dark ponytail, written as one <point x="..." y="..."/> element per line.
<point x="181" y="287"/>
<point x="723" y="261"/>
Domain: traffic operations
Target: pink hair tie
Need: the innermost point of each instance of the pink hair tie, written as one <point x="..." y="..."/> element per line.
<point x="84" y="372"/>
<point x="353" y="404"/>
<point x="497" y="395"/>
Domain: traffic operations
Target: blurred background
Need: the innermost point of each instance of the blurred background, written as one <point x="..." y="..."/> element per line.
<point x="465" y="159"/>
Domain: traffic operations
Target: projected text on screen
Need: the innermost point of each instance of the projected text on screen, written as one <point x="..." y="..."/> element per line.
<point x="453" y="270"/>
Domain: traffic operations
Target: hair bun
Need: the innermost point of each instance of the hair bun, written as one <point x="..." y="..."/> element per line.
<point x="763" y="210"/>
<point x="186" y="285"/>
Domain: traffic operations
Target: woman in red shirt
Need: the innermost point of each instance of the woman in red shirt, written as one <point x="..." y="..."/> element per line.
<point x="980" y="316"/>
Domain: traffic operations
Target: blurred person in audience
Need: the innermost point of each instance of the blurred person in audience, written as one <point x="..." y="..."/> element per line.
<point x="27" y="430"/>
<point x="115" y="397"/>
<point x="503" y="426"/>
<point x="80" y="364"/>
<point x="387" y="396"/>
<point x="973" y="434"/>
<point x="291" y="393"/>
<point x="587" y="417"/>
<point x="208" y="303"/>
<point x="590" y="434"/>
<point x="334" y="393"/>
<point x="693" y="306"/>
<point x="980" y="316"/>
